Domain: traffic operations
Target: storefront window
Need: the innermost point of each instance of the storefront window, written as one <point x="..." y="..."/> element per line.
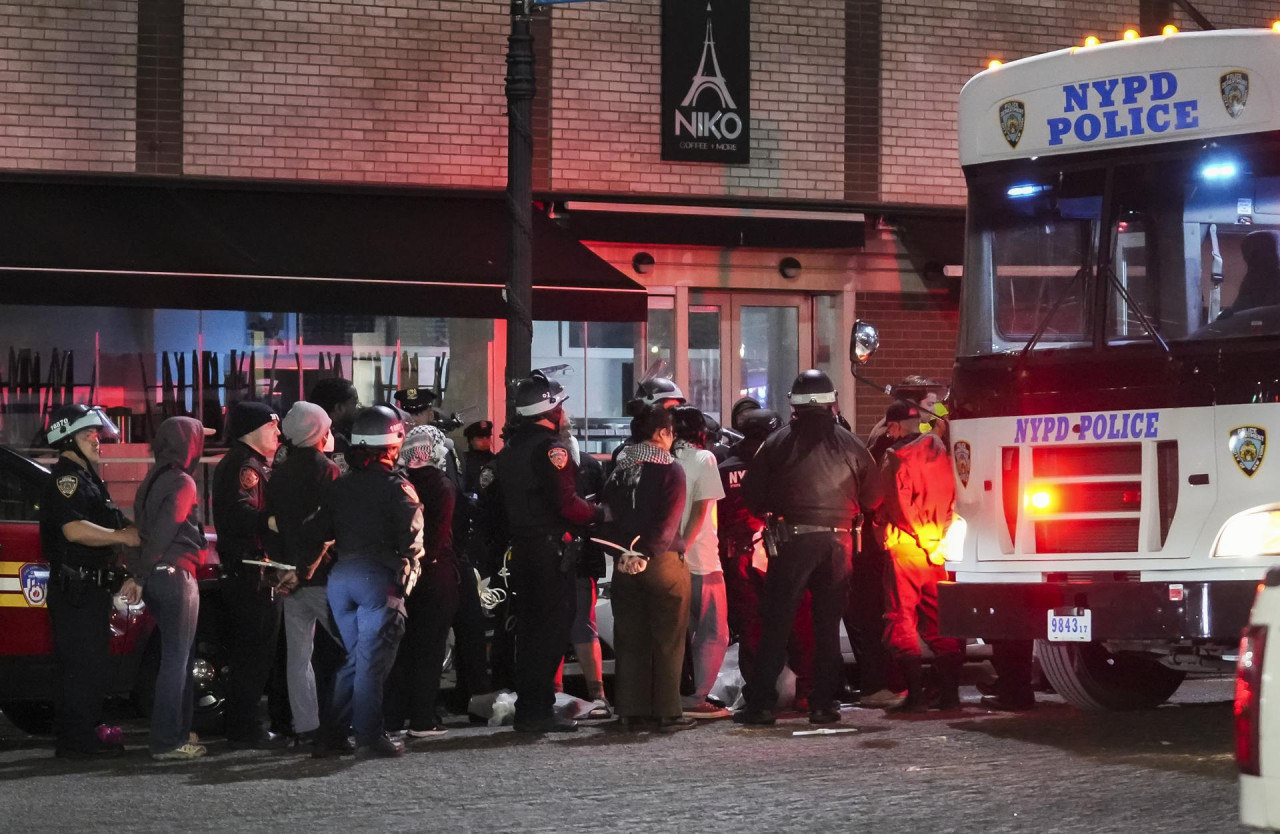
<point x="147" y="365"/>
<point x="704" y="360"/>
<point x="595" y="362"/>
<point x="769" y="353"/>
<point x="827" y="339"/>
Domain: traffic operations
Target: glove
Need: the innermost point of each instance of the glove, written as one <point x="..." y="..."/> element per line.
<point x="410" y="570"/>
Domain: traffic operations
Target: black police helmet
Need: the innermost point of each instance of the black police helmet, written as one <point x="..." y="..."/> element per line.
<point x="760" y="422"/>
<point x="537" y="395"/>
<point x="812" y="387"/>
<point x="69" y="419"/>
<point x="659" y="389"/>
<point x="377" y="427"/>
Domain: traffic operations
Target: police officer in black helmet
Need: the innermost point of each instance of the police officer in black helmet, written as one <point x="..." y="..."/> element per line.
<point x="373" y="516"/>
<point x="536" y="475"/>
<point x="80" y="532"/>
<point x="807" y="480"/>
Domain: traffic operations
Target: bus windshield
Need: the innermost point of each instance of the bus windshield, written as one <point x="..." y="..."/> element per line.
<point x="1184" y="244"/>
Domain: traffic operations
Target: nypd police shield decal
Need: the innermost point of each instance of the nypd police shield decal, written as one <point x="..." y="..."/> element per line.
<point x="1248" y="444"/>
<point x="1235" y="92"/>
<point x="1013" y="118"/>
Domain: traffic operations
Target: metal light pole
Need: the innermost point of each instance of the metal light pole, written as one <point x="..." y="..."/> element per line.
<point x="519" y="291"/>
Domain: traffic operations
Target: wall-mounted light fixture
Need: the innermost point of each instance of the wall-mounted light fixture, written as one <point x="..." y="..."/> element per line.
<point x="789" y="267"/>
<point x="642" y="263"/>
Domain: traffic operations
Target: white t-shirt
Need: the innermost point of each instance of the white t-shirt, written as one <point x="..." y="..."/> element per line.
<point x="702" y="483"/>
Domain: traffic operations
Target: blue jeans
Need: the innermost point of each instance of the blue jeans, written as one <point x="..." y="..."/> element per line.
<point x="368" y="607"/>
<point x="173" y="598"/>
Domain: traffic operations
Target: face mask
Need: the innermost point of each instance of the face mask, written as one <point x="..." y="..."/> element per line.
<point x="328" y="442"/>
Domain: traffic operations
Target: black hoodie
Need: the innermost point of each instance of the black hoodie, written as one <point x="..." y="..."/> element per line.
<point x="167" y="506"/>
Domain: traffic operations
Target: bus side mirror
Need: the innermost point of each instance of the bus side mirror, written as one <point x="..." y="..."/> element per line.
<point x="863" y="341"/>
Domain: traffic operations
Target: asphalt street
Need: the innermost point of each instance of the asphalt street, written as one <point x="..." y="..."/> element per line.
<point x="1055" y="769"/>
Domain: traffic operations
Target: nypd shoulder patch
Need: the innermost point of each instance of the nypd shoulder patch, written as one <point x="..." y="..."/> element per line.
<point x="248" y="477"/>
<point x="67" y="485"/>
<point x="558" y="456"/>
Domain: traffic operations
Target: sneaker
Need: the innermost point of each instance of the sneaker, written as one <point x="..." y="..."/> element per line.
<point x="384" y="747"/>
<point x="884" y="699"/>
<point x="437" y="729"/>
<point x="181" y="754"/>
<point x="706" y="711"/>
<point x="675" y="725"/>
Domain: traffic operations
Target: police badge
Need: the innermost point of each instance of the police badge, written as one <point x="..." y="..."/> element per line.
<point x="1248" y="444"/>
<point x="1013" y="118"/>
<point x="67" y="485"/>
<point x="964" y="461"/>
<point x="1235" y="92"/>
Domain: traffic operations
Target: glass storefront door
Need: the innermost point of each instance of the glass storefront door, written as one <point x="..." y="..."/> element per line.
<point x="747" y="345"/>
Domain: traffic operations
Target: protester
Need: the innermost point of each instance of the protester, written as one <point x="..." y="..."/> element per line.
<point x="167" y="510"/>
<point x="431" y="607"/>
<point x="650" y="589"/>
<point x="293" y="493"/>
<point x="708" y="612"/>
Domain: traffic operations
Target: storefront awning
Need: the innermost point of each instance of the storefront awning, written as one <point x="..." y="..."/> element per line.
<point x="131" y="241"/>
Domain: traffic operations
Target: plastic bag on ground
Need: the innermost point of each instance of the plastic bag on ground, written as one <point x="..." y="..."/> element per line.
<point x="729" y="683"/>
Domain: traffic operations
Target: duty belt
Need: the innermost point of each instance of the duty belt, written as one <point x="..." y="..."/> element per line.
<point x="101" y="577"/>
<point x="806" y="529"/>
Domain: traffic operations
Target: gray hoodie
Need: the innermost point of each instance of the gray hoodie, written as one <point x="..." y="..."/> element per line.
<point x="167" y="506"/>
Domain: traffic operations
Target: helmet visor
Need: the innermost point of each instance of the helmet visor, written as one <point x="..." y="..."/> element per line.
<point x="108" y="431"/>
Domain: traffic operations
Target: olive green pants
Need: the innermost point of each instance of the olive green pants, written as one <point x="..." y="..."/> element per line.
<point x="651" y="616"/>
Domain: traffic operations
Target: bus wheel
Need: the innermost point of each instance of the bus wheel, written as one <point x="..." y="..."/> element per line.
<point x="1088" y="676"/>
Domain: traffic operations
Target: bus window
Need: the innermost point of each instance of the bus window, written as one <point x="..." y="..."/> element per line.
<point x="1033" y="245"/>
<point x="1134" y="277"/>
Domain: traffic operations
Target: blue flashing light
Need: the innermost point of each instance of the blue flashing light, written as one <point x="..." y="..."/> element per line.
<point x="1219" y="171"/>
<point x="1019" y="191"/>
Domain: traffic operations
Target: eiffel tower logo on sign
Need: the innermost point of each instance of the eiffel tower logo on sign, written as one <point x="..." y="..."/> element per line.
<point x="704" y="81"/>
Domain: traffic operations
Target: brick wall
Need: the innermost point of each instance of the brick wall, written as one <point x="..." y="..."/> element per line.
<point x="67" y="85"/>
<point x="932" y="47"/>
<point x="607" y="80"/>
<point x="409" y="91"/>
<point x="917" y="336"/>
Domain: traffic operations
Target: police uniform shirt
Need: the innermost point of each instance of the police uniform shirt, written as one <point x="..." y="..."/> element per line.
<point x="473" y="463"/>
<point x="240" y="503"/>
<point x="538" y="478"/>
<point x="372" y="513"/>
<point x="76" y="494"/>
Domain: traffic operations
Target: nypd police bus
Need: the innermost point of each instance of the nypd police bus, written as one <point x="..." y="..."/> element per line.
<point x="1116" y="391"/>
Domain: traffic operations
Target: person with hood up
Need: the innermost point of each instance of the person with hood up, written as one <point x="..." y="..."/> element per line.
<point x="651" y="585"/>
<point x="171" y="527"/>
<point x="431" y="606"/>
<point x="293" y="493"/>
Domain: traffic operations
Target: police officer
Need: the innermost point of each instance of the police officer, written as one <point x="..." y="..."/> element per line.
<point x="536" y="475"/>
<point x="658" y="391"/>
<point x="375" y="519"/>
<point x="479" y="454"/>
<point x="80" y="530"/>
<point x="740" y="545"/>
<point x="419" y="403"/>
<point x="808" y="480"/>
<point x="254" y="608"/>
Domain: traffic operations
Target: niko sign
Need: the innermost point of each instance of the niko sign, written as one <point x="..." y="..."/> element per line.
<point x="706" y="81"/>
